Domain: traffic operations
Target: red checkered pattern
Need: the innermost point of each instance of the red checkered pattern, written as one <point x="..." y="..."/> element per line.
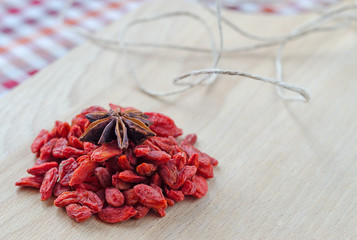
<point x="31" y="38"/>
<point x="281" y="7"/>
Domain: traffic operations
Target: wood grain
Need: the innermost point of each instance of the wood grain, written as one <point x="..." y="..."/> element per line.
<point x="287" y="170"/>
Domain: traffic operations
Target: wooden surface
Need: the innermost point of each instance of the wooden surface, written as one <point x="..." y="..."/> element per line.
<point x="287" y="170"/>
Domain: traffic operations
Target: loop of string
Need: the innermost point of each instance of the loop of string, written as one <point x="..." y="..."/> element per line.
<point x="338" y="18"/>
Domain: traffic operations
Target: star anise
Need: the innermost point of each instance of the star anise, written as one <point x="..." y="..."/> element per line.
<point x="120" y="125"/>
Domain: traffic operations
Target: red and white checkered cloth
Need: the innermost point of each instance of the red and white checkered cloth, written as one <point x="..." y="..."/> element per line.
<point x="31" y="38"/>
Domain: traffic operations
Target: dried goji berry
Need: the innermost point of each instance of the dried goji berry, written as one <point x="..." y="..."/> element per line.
<point x="63" y="129"/>
<point x="89" y="147"/>
<point x="130" y="197"/>
<point x="163" y="125"/>
<point x="46" y="150"/>
<point x="42" y="168"/>
<point x="66" y="169"/>
<point x="142" y="150"/>
<point x="78" y="213"/>
<point x="40" y="140"/>
<point x="186" y="173"/>
<point x="101" y="195"/>
<point x="170" y="202"/>
<point x="190" y="139"/>
<point x="85" y="169"/>
<point x="188" y="188"/>
<point x="48" y="183"/>
<point x="114" y="197"/>
<point x="160" y="211"/>
<point x="146" y="169"/>
<point x="75" y="131"/>
<point x="175" y="195"/>
<point x="89" y="199"/>
<point x="124" y="163"/>
<point x="103" y="176"/>
<point x="106" y="151"/>
<point x="34" y="182"/>
<point x="69" y="152"/>
<point x="201" y="186"/>
<point x="193" y="160"/>
<point x="168" y="173"/>
<point x="130" y="176"/>
<point x="131" y="157"/>
<point x="74" y="142"/>
<point x="114" y="214"/>
<point x="149" y="196"/>
<point x="58" y="149"/>
<point x="59" y="189"/>
<point x="158" y="157"/>
<point x="66" y="198"/>
<point x="180" y="160"/>
<point x="119" y="184"/>
<point x="156" y="179"/>
<point x="205" y="168"/>
<point x="142" y="211"/>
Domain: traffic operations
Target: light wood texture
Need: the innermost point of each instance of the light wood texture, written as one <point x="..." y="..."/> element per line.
<point x="287" y="170"/>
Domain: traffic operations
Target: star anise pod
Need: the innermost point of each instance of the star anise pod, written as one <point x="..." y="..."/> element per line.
<point x="118" y="124"/>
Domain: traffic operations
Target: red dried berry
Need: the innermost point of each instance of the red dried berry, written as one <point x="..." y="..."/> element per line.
<point x="142" y="150"/>
<point x="146" y="169"/>
<point x="180" y="160"/>
<point x="130" y="197"/>
<point x="89" y="199"/>
<point x="130" y="176"/>
<point x="114" y="197"/>
<point x="58" y="149"/>
<point x="74" y="142"/>
<point x="66" y="198"/>
<point x="120" y="214"/>
<point x="89" y="147"/>
<point x="158" y="157"/>
<point x="48" y="183"/>
<point x="63" y="129"/>
<point x="85" y="169"/>
<point x="142" y="211"/>
<point x="66" y="170"/>
<point x="46" y="150"/>
<point x="34" y="182"/>
<point x="59" y="189"/>
<point x="124" y="163"/>
<point x="75" y="131"/>
<point x="42" y="138"/>
<point x="175" y="195"/>
<point x="149" y="196"/>
<point x="119" y="184"/>
<point x="106" y="151"/>
<point x="186" y="173"/>
<point x="163" y="125"/>
<point x="168" y="173"/>
<point x="188" y="188"/>
<point x="42" y="168"/>
<point x="190" y="139"/>
<point x="201" y="186"/>
<point x="103" y="176"/>
<point x="156" y="179"/>
<point x="78" y="213"/>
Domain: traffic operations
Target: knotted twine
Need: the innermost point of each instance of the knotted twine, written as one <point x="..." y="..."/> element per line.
<point x="329" y="19"/>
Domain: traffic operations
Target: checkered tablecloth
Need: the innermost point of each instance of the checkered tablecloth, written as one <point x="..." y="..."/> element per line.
<point x="31" y="37"/>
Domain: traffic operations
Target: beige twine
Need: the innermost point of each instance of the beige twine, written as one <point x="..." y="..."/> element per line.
<point x="328" y="20"/>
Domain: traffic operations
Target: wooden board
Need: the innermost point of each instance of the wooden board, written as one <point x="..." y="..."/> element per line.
<point x="287" y="170"/>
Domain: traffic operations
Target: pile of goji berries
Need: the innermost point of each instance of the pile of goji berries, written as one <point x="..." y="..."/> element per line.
<point x="117" y="184"/>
